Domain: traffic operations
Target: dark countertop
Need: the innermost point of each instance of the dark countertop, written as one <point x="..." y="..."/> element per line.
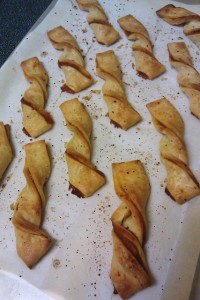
<point x="17" y="17"/>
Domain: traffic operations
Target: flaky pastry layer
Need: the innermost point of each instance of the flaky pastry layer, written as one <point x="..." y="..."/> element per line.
<point x="181" y="182"/>
<point x="188" y="77"/>
<point x="6" y="153"/>
<point x="181" y="16"/>
<point x="36" y="120"/>
<point x="120" y="111"/>
<point x="32" y="242"/>
<point x="129" y="269"/>
<point x="97" y="19"/>
<point x="84" y="178"/>
<point x="147" y="64"/>
<point x="70" y="61"/>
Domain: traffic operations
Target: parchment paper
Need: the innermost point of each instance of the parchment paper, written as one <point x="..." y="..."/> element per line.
<point x="78" y="265"/>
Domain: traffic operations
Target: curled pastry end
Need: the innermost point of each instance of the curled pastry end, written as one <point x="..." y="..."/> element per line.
<point x="76" y="191"/>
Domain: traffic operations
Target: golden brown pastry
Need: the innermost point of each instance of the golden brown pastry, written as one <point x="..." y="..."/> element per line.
<point x="31" y="241"/>
<point x="120" y="111"/>
<point x="181" y="16"/>
<point x="71" y="61"/>
<point x="36" y="120"/>
<point x="188" y="77"/>
<point x="84" y="178"/>
<point x="6" y="154"/>
<point x="181" y="182"/>
<point x="147" y="65"/>
<point x="129" y="270"/>
<point x="97" y="19"/>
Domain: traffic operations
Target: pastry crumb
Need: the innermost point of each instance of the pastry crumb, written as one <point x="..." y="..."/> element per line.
<point x="126" y="83"/>
<point x="120" y="46"/>
<point x="44" y="54"/>
<point x="87" y="98"/>
<point x="12" y="206"/>
<point x="8" y="177"/>
<point x="96" y="91"/>
<point x="56" y="263"/>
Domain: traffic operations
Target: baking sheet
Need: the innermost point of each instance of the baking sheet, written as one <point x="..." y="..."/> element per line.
<point x="78" y="265"/>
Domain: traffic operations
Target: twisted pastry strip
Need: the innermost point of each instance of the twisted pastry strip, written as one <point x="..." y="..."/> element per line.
<point x="84" y="178"/>
<point x="71" y="61"/>
<point x="180" y="16"/>
<point x="6" y="154"/>
<point x="31" y="241"/>
<point x="129" y="270"/>
<point x="147" y="65"/>
<point x="181" y="182"/>
<point x="188" y="77"/>
<point x="97" y="19"/>
<point x="36" y="120"/>
<point x="120" y="112"/>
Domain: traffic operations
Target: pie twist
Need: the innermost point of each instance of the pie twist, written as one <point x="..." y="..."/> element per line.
<point x="31" y="241"/>
<point x="147" y="65"/>
<point x="120" y="111"/>
<point x="181" y="16"/>
<point x="181" y="182"/>
<point x="188" y="77"/>
<point x="84" y="178"/>
<point x="6" y="154"/>
<point x="36" y="120"/>
<point x="129" y="270"/>
<point x="97" y="19"/>
<point x="71" y="61"/>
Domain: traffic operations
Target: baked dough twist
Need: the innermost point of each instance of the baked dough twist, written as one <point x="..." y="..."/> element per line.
<point x="36" y="120"/>
<point x="188" y="77"/>
<point x="84" y="178"/>
<point x="147" y="65"/>
<point x="120" y="111"/>
<point x="97" y="19"/>
<point x="181" y="16"/>
<point x="31" y="241"/>
<point x="181" y="182"/>
<point x="129" y="270"/>
<point x="6" y="154"/>
<point x="71" y="61"/>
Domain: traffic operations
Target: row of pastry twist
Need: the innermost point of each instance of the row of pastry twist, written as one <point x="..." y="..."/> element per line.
<point x="36" y="120"/>
<point x="129" y="270"/>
